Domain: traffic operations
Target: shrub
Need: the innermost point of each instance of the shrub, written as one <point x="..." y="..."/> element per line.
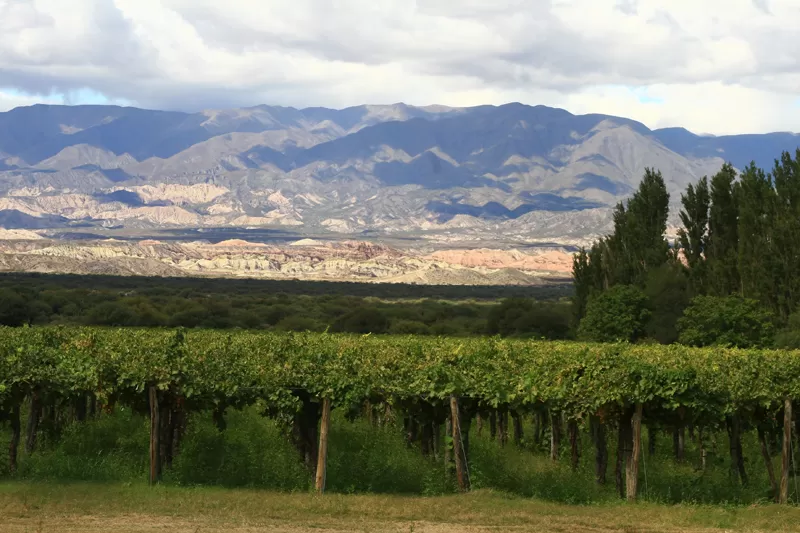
<point x="618" y="314"/>
<point x="726" y="321"/>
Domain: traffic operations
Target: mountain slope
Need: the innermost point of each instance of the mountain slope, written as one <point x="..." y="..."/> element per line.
<point x="512" y="172"/>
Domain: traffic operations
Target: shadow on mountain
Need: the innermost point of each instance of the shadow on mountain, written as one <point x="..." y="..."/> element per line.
<point x="115" y="175"/>
<point x="14" y="219"/>
<point x="122" y="196"/>
<point x="495" y="210"/>
<point x="432" y="172"/>
<point x="260" y="156"/>
<point x="589" y="180"/>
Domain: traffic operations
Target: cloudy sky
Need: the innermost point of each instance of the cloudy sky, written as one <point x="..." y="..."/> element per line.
<point x="713" y="66"/>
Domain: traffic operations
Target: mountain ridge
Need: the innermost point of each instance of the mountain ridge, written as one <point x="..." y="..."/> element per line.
<point x="511" y="172"/>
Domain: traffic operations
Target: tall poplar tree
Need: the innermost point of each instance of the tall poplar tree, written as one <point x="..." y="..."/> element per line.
<point x="693" y="237"/>
<point x="722" y="248"/>
<point x="636" y="246"/>
<point x="755" y="198"/>
<point x="785" y="235"/>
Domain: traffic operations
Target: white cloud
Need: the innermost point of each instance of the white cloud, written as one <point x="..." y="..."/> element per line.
<point x="719" y="66"/>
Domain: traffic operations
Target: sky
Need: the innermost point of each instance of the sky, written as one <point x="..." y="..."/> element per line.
<point x="712" y="66"/>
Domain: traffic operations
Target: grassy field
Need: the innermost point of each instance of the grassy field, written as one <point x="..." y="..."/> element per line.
<point x="125" y="508"/>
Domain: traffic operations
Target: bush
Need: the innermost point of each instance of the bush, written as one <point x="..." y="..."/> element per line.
<point x="522" y="317"/>
<point x="14" y="309"/>
<point x="618" y="314"/>
<point x="250" y="452"/>
<point x="409" y="327"/>
<point x="789" y="337"/>
<point x="113" y="314"/>
<point x="726" y="321"/>
<point x="363" y="320"/>
<point x="298" y="323"/>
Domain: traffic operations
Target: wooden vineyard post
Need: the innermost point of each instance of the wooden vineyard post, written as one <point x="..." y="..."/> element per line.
<point x="13" y="445"/>
<point x="762" y="438"/>
<point x="601" y="449"/>
<point x="155" y="436"/>
<point x="322" y="456"/>
<point x="33" y="422"/>
<point x="458" y="452"/>
<point x="787" y="448"/>
<point x="575" y="452"/>
<point x="555" y="435"/>
<point x="632" y="471"/>
<point x="448" y="431"/>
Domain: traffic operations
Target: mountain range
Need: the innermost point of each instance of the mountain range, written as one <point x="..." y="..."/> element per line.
<point x="510" y="173"/>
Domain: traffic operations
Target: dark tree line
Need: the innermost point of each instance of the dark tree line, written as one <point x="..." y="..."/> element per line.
<point x="732" y="277"/>
<point x="540" y="312"/>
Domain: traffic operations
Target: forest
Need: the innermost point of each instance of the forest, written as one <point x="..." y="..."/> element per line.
<point x="731" y="278"/>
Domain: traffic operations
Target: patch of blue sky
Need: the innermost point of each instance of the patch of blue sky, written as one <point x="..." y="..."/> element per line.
<point x="644" y="96"/>
<point x="87" y="96"/>
<point x="84" y="96"/>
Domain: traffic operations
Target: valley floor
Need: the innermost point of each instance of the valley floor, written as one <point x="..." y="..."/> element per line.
<point x="132" y="508"/>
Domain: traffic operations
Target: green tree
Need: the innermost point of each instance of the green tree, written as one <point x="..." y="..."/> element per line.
<point x="668" y="294"/>
<point x="789" y="337"/>
<point x="693" y="237"/>
<point x="636" y="245"/>
<point x="409" y="327"/>
<point x="13" y="308"/>
<point x="583" y="283"/>
<point x="726" y="321"/>
<point x="619" y="314"/>
<point x="362" y="320"/>
<point x="112" y="314"/>
<point x="641" y="231"/>
<point x="722" y="248"/>
<point x="756" y="200"/>
<point x="785" y="236"/>
<point x="523" y="317"/>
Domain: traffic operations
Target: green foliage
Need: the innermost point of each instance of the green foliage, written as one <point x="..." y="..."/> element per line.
<point x="723" y="235"/>
<point x="789" y="337"/>
<point x="179" y="303"/>
<point x="638" y="242"/>
<point x="693" y="237"/>
<point x="618" y="314"/>
<point x="111" y="448"/>
<point x="726" y="321"/>
<point x="253" y="452"/>
<point x="521" y="317"/>
<point x="113" y="314"/>
<point x="13" y="309"/>
<point x="625" y="257"/>
<point x="667" y="291"/>
<point x="250" y="452"/>
<point x="362" y="321"/>
<point x="409" y="327"/>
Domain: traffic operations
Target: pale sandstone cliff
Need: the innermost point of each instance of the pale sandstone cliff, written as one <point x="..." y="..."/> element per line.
<point x="308" y="259"/>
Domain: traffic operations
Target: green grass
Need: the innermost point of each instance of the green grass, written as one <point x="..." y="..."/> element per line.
<point x="253" y="452"/>
<point x="127" y="508"/>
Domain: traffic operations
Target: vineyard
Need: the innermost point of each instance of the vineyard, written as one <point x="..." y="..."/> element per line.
<point x="443" y="389"/>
